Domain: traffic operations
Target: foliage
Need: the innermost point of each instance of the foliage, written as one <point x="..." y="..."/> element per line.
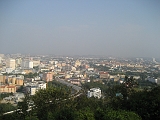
<point x="50" y="100"/>
<point x="65" y="114"/>
<point x="129" y="82"/>
<point x="146" y="103"/>
<point x="23" y="107"/>
<point x="121" y="115"/>
<point x="85" y="114"/>
<point x="56" y="103"/>
<point x="3" y="95"/>
<point x="5" y="107"/>
<point x="146" y="84"/>
<point x="110" y="114"/>
<point x="99" y="84"/>
<point x="57" y="84"/>
<point x="9" y="117"/>
<point x="31" y="75"/>
<point x="20" y="89"/>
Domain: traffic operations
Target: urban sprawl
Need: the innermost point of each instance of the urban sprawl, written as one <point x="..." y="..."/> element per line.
<point x="21" y="74"/>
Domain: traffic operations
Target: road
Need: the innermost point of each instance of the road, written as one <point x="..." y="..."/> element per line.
<point x="77" y="88"/>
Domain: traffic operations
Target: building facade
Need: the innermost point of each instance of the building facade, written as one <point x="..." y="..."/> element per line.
<point x="48" y="76"/>
<point x="26" y="64"/>
<point x="3" y="79"/>
<point x="7" y="89"/>
<point x="11" y="63"/>
<point x="94" y="92"/>
<point x="104" y="75"/>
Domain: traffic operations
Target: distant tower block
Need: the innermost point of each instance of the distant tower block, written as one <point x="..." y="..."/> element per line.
<point x="11" y="63"/>
<point x="154" y="60"/>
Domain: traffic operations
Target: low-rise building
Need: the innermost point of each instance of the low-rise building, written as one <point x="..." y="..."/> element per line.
<point x="75" y="82"/>
<point x="32" y="87"/>
<point x="67" y="76"/>
<point x="27" y="71"/>
<point x="7" y="89"/>
<point x="2" y="79"/>
<point x="104" y="75"/>
<point x="11" y="80"/>
<point x="32" y="90"/>
<point x="19" y="81"/>
<point x="9" y="70"/>
<point x="94" y="92"/>
<point x="153" y="80"/>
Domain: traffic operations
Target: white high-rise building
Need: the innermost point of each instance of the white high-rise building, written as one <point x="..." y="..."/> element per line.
<point x="30" y="64"/>
<point x="154" y="60"/>
<point x="26" y="64"/>
<point x="11" y="63"/>
<point x="18" y="61"/>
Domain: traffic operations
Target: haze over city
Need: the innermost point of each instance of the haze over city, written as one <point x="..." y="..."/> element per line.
<point x="126" y="28"/>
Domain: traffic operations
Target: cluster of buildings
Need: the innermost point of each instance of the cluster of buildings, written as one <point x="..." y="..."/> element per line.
<point x="32" y="87"/>
<point x="153" y="80"/>
<point x="76" y="70"/>
<point x="10" y="83"/>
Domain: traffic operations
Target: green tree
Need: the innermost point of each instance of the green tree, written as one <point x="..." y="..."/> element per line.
<point x="85" y="114"/>
<point x="121" y="115"/>
<point x="110" y="114"/>
<point x="130" y="82"/>
<point x="23" y="107"/>
<point x="146" y="103"/>
<point x="49" y="100"/>
<point x="32" y="117"/>
<point x="66" y="113"/>
<point x="6" y="107"/>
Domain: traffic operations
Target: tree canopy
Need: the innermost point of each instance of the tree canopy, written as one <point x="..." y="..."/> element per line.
<point x="56" y="103"/>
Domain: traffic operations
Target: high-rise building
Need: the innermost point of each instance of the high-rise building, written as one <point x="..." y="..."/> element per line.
<point x="27" y="64"/>
<point x="154" y="60"/>
<point x="48" y="77"/>
<point x="30" y="64"/>
<point x="11" y="63"/>
<point x="18" y="61"/>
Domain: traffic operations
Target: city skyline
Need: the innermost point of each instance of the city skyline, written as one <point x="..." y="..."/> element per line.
<point x="110" y="28"/>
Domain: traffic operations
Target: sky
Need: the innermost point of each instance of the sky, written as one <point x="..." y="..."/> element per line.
<point x="122" y="28"/>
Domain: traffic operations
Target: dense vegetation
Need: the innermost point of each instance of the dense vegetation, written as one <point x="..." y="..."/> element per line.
<point x="5" y="107"/>
<point x="3" y="95"/>
<point x="57" y="103"/>
<point x="30" y="75"/>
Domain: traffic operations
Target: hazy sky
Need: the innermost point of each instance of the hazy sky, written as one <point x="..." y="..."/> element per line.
<point x="126" y="28"/>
